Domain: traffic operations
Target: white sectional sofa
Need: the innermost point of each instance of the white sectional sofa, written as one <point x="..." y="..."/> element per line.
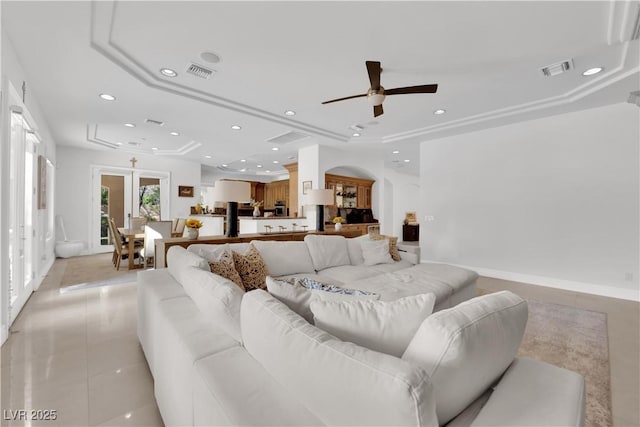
<point x="220" y="356"/>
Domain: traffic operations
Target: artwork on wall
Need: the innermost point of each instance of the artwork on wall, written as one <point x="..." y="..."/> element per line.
<point x="42" y="182"/>
<point x="306" y="186"/>
<point x="185" y="191"/>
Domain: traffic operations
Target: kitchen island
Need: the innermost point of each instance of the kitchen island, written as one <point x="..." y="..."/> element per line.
<point x="212" y="225"/>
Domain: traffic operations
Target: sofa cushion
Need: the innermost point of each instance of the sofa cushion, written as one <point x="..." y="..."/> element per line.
<point x="178" y="259"/>
<point x="389" y="268"/>
<point x="375" y="252"/>
<point x="232" y="389"/>
<point x="283" y="258"/>
<point x="225" y="267"/>
<point x="339" y="382"/>
<point x="252" y="268"/>
<point x="216" y="297"/>
<point x="347" y="273"/>
<point x="355" y="249"/>
<point x="393" y="244"/>
<point x="209" y="252"/>
<point x="297" y="293"/>
<point x="327" y="251"/>
<point x="535" y="393"/>
<point x="384" y="326"/>
<point x="465" y="349"/>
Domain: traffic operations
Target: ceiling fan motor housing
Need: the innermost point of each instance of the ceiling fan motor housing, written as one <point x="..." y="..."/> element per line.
<point x="375" y="97"/>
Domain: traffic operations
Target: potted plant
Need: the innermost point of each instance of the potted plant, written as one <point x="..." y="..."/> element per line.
<point x="256" y="208"/>
<point x="193" y="228"/>
<point x="338" y="221"/>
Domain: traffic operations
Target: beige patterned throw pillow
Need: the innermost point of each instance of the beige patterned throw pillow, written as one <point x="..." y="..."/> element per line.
<point x="226" y="268"/>
<point x="252" y="269"/>
<point x="393" y="245"/>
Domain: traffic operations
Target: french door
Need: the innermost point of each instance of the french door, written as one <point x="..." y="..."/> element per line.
<point x="22" y="213"/>
<point x="123" y="193"/>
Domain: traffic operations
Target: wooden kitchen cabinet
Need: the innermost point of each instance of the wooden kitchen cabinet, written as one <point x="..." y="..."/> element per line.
<point x="350" y="192"/>
<point x="276" y="191"/>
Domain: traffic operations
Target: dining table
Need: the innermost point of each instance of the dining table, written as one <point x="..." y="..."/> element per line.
<point x="131" y="235"/>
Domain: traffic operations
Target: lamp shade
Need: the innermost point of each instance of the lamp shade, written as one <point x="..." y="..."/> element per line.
<point x="231" y="191"/>
<point x="320" y="197"/>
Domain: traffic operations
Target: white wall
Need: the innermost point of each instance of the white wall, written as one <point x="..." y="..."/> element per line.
<point x="402" y="197"/>
<point x="73" y="185"/>
<point x="554" y="200"/>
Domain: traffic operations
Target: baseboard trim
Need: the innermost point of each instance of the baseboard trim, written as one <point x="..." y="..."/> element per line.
<point x="551" y="282"/>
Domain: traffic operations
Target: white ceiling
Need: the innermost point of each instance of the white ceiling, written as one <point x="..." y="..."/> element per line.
<point x="485" y="56"/>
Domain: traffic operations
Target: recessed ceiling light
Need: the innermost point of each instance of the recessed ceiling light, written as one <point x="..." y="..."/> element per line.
<point x="289" y="113"/>
<point x="258" y="166"/>
<point x="243" y="160"/>
<point x="407" y="160"/>
<point x="356" y="134"/>
<point x="243" y="170"/>
<point x="276" y="162"/>
<point x="395" y="152"/>
<point x="154" y="148"/>
<point x="291" y="157"/>
<point x="268" y="171"/>
<point x="118" y="143"/>
<point x="210" y="57"/>
<point x="130" y="125"/>
<point x="275" y="149"/>
<point x="168" y="72"/>
<point x="208" y="157"/>
<point x="107" y="97"/>
<point x="236" y="127"/>
<point x="224" y="166"/>
<point x="438" y="112"/>
<point x="174" y="133"/>
<point x="592" y="71"/>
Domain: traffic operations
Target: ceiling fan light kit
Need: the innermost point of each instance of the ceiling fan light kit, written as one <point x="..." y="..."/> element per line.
<point x="377" y="94"/>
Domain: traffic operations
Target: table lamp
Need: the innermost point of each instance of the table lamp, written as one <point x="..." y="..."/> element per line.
<point x="320" y="198"/>
<point x="232" y="192"/>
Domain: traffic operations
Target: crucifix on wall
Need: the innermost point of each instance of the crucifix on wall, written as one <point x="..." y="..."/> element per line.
<point x="133" y="161"/>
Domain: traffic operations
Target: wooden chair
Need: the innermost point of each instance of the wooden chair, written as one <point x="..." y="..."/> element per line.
<point x="121" y="246"/>
<point x="179" y="229"/>
<point x="137" y="222"/>
<point x="152" y="231"/>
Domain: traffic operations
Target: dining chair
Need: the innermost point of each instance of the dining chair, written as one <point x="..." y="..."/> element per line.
<point x="179" y="230"/>
<point x="137" y="222"/>
<point x="121" y="247"/>
<point x="152" y="231"/>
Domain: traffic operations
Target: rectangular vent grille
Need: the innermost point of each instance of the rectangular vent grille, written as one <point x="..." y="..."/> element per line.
<point x="199" y="71"/>
<point x="635" y="34"/>
<point x="559" y="68"/>
<point x="154" y="122"/>
<point x="287" y="138"/>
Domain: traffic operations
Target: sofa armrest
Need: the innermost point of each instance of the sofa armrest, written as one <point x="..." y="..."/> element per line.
<point x="408" y="256"/>
<point x="534" y="393"/>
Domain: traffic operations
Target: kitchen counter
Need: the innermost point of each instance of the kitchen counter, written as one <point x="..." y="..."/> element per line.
<point x="272" y="217"/>
<point x="249" y="224"/>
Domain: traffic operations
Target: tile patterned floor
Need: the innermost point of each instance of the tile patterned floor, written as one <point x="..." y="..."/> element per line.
<point x="77" y="352"/>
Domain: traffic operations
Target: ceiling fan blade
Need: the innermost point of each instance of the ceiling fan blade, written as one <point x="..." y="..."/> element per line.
<point x="346" y="97"/>
<point x="412" y="89"/>
<point x="374" y="70"/>
<point x="377" y="110"/>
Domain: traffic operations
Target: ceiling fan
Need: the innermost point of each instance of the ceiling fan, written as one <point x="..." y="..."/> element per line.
<point x="377" y="93"/>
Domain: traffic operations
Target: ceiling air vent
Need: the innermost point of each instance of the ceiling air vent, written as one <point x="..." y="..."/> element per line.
<point x="135" y="144"/>
<point x="287" y="138"/>
<point x="559" y="68"/>
<point x="199" y="71"/>
<point x="635" y="32"/>
<point x="154" y="122"/>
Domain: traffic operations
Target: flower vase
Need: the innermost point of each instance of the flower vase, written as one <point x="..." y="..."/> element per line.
<point x="256" y="211"/>
<point x="193" y="233"/>
<point x="338" y="226"/>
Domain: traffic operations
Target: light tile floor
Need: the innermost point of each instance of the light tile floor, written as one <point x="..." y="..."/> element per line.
<point x="77" y="352"/>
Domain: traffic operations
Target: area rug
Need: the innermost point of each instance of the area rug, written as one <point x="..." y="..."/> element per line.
<point x="577" y="340"/>
<point x="91" y="268"/>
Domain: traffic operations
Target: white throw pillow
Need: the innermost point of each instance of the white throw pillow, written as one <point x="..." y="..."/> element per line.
<point x="327" y="251"/>
<point x="384" y="326"/>
<point x="376" y="252"/>
<point x="293" y="295"/>
<point x="209" y="252"/>
<point x="465" y="349"/>
<point x="355" y="249"/>
<point x="298" y="293"/>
